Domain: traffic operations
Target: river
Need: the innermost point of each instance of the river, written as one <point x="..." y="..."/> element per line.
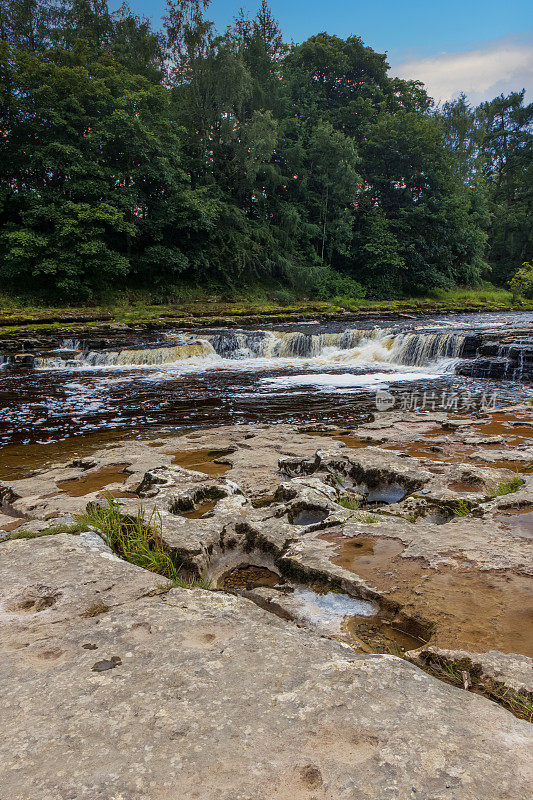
<point x="330" y="372"/>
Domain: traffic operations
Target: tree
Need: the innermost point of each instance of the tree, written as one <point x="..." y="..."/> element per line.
<point x="92" y="174"/>
<point x="462" y="137"/>
<point x="507" y="152"/>
<point x="521" y="284"/>
<point x="230" y="157"/>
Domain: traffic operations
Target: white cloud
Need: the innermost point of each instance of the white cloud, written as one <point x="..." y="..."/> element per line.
<point x="482" y="73"/>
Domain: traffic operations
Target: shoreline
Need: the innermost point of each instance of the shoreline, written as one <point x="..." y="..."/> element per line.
<point x="212" y="315"/>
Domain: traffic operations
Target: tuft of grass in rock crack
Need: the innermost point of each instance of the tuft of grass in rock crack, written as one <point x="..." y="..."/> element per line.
<point x="134" y="539"/>
<point x="95" y="610"/>
<point x="368" y="518"/>
<point x="74" y="529"/>
<point x="183" y="581"/>
<point x="140" y="541"/>
<point x="349" y="502"/>
<point x="508" y="487"/>
<point x="462" y="509"/>
<point x="520" y="704"/>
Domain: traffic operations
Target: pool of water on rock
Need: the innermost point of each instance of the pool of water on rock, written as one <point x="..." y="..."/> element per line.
<point x="353" y="620"/>
<point x="519" y="521"/>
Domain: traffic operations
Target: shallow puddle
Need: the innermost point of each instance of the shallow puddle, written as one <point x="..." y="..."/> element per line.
<point x="18" y="461"/>
<point x="515" y="428"/>
<point x="383" y="495"/>
<point x="199" y="510"/>
<point x="469" y="610"/>
<point x="363" y="551"/>
<point x="117" y="494"/>
<point x="381" y="636"/>
<point x="328" y="611"/>
<point x="447" y="453"/>
<point x="309" y="517"/>
<point x="325" y="611"/>
<point x="95" y="480"/>
<point x="463" y="487"/>
<point x="11" y="526"/>
<point x="459" y="454"/>
<point x="513" y="466"/>
<point x="249" y="577"/>
<point x="201" y="461"/>
<point x="519" y="521"/>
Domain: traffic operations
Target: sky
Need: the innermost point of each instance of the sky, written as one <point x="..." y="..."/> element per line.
<point x="482" y="47"/>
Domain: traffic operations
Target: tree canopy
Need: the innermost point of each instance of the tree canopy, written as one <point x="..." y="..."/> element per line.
<point x="146" y="157"/>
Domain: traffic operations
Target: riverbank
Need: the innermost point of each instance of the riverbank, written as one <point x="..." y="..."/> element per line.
<point x="18" y="317"/>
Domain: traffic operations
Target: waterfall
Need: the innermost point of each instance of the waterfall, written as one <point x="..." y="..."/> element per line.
<point x="418" y="349"/>
<point x="123" y="358"/>
<point x="352" y="347"/>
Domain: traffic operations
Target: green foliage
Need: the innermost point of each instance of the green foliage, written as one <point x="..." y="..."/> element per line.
<point x="349" y="502"/>
<point x="462" y="509"/>
<point x="464" y="673"/>
<point x="183" y="581"/>
<point x="95" y="610"/>
<point x="521" y="284"/>
<point x="156" y="159"/>
<point x="506" y="148"/>
<point x="133" y="538"/>
<point x="53" y="530"/>
<point x="139" y="541"/>
<point x="508" y="487"/>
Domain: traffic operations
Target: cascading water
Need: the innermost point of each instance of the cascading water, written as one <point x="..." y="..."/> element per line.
<point x="352" y="346"/>
<point x="417" y="349"/>
<point x="298" y="373"/>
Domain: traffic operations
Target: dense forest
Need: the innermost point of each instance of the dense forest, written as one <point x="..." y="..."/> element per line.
<point x="136" y="157"/>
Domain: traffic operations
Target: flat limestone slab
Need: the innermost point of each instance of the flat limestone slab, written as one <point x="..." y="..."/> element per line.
<point x="194" y="694"/>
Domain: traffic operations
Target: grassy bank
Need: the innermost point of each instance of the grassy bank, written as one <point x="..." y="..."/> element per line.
<point x="211" y="309"/>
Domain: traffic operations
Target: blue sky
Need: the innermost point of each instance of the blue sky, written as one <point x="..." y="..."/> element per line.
<point x="481" y="46"/>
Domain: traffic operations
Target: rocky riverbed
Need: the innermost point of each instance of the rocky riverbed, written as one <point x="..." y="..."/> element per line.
<point x="368" y="633"/>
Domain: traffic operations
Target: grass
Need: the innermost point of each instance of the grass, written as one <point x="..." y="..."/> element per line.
<point x="346" y="501"/>
<point x="95" y="610"/>
<point x="508" y="487"/>
<point x="74" y="529"/>
<point x="521" y="705"/>
<point x="134" y="539"/>
<point x="140" y="541"/>
<point x="184" y="581"/>
<point x="192" y="305"/>
<point x="484" y="295"/>
<point x="462" y="509"/>
<point x="349" y="502"/>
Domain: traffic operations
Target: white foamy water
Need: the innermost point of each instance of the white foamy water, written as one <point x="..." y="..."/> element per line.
<point x="271" y="349"/>
<point x="347" y="380"/>
<point x="300" y="372"/>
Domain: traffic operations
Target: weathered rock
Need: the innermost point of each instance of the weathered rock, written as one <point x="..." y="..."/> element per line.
<point x="452" y="562"/>
<point x="215" y="698"/>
